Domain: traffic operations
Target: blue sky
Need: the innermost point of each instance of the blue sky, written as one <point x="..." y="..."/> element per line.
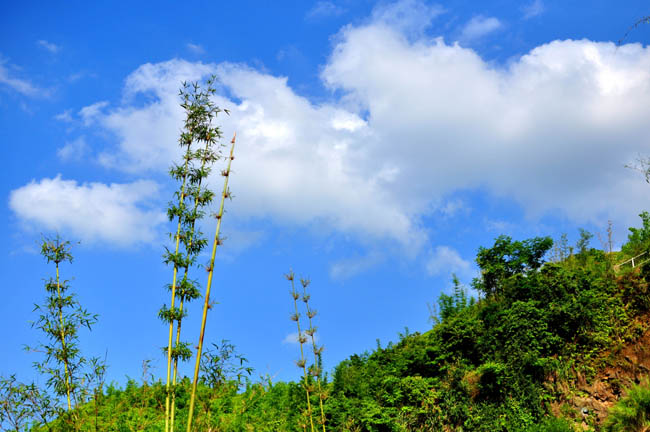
<point x="379" y="145"/>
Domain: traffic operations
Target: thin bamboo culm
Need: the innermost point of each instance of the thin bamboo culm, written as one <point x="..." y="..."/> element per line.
<point x="193" y="245"/>
<point x="171" y="332"/>
<point x="317" y="350"/>
<point x="301" y="341"/>
<point x="200" y="112"/>
<point x="206" y="305"/>
<point x="181" y="205"/>
<point x="62" y="324"/>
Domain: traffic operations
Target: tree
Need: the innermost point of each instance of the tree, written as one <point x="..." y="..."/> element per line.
<point x="643" y="166"/>
<point x="583" y="242"/>
<point x="638" y="241"/>
<point x="507" y="258"/>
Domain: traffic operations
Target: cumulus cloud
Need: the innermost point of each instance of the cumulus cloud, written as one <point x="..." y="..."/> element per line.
<point x="479" y="26"/>
<point x="551" y="130"/>
<point x="410" y="17"/>
<point x="147" y="135"/>
<point x="115" y="213"/>
<point x="417" y="119"/>
<point x="445" y="260"/>
<point x="49" y="46"/>
<point x="291" y="163"/>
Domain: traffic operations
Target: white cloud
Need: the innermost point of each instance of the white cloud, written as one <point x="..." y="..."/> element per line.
<point x="410" y="17"/>
<point x="195" y="48"/>
<point x="20" y="85"/>
<point x="325" y="9"/>
<point x="552" y="130"/>
<point x="65" y="116"/>
<point x="49" y="46"/>
<point x="453" y="207"/>
<point x="533" y="9"/>
<point x="479" y="26"/>
<point x="73" y="150"/>
<point x="147" y="135"/>
<point x="90" y="113"/>
<point x="115" y="213"/>
<point x="418" y="120"/>
<point x="445" y="260"/>
<point x="346" y="268"/>
<point x="238" y="240"/>
<point x="291" y="151"/>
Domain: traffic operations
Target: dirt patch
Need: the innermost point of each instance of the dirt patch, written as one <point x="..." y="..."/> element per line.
<point x="592" y="400"/>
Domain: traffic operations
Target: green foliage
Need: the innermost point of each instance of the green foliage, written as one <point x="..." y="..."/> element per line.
<point x="191" y="202"/>
<point x="61" y="317"/>
<point x="632" y="413"/>
<point x="638" y="240"/>
<point x="508" y="258"/>
<point x="70" y="376"/>
<point x="18" y="404"/>
<point x="223" y="363"/>
<point x="583" y="243"/>
<point x="210" y="268"/>
<point x="450" y="305"/>
<point x="484" y="365"/>
<point x="552" y="424"/>
<point x="488" y="365"/>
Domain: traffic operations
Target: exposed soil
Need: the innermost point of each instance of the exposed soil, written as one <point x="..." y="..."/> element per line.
<point x="592" y="400"/>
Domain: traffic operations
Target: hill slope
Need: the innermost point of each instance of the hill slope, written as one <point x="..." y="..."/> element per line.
<point x="548" y="347"/>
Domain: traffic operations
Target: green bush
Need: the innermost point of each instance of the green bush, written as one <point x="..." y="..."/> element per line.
<point x="631" y="413"/>
<point x="552" y="424"/>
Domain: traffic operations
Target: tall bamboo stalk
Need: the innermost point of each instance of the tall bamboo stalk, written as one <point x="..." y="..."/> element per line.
<point x="301" y="341"/>
<point x="316" y="371"/>
<point x="206" y="305"/>
<point x="206" y="157"/>
<point x="61" y="317"/>
<point x="181" y="204"/>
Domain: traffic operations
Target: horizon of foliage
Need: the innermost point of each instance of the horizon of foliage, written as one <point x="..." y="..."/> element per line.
<point x="492" y="364"/>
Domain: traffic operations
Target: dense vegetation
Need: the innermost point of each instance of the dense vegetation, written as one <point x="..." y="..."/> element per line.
<point x="495" y="364"/>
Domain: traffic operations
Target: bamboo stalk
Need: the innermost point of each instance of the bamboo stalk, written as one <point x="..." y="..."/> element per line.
<point x="181" y="202"/>
<point x="62" y="326"/>
<point x="312" y="330"/>
<point x="180" y="309"/>
<point x="301" y="340"/>
<point x="206" y="304"/>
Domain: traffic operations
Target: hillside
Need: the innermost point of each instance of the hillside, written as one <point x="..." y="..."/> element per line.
<point x="548" y="346"/>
